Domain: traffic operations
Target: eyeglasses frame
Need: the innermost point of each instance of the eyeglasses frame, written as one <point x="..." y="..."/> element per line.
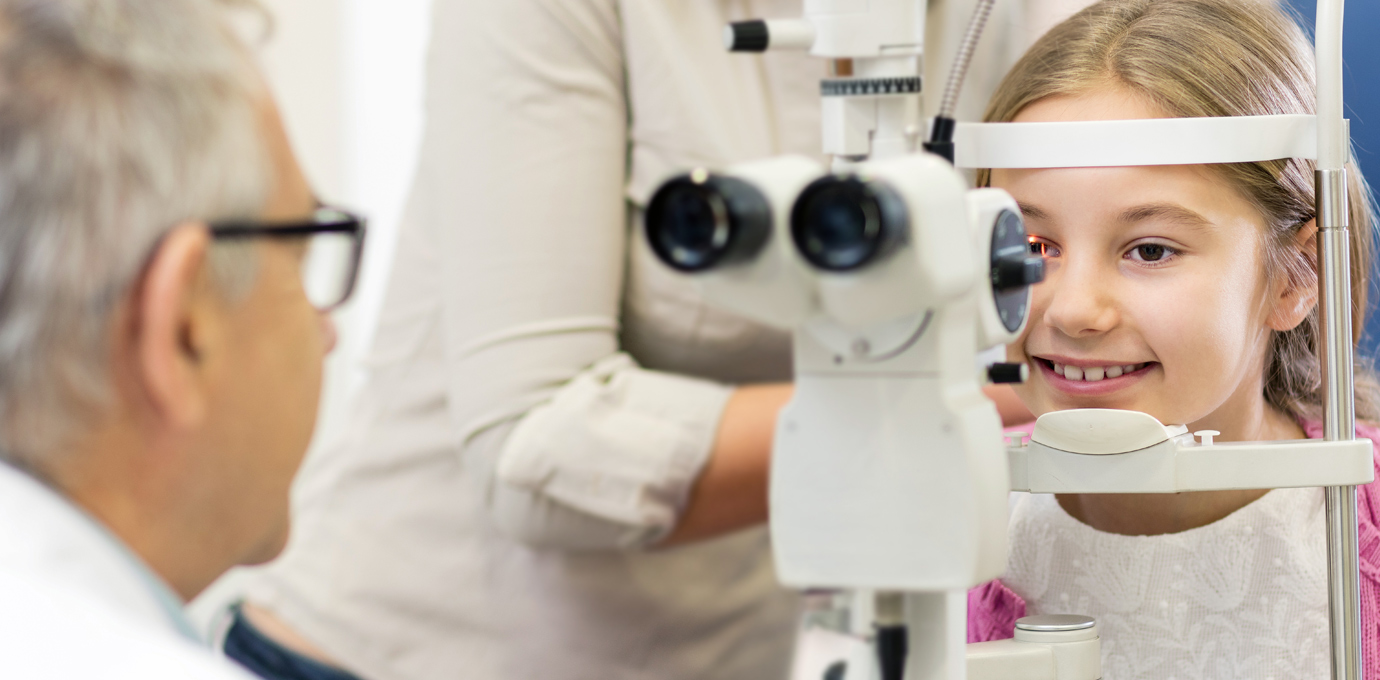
<point x="347" y="223"/>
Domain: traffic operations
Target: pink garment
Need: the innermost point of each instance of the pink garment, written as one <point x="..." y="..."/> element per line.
<point x="993" y="608"/>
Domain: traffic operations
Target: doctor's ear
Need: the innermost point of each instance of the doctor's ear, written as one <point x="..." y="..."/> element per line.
<point x="1295" y="293"/>
<point x="176" y="322"/>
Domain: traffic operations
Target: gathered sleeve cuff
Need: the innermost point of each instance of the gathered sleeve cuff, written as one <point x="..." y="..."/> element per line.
<point x="618" y="442"/>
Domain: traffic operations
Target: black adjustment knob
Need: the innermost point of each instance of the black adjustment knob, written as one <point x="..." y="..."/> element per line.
<point x="747" y="36"/>
<point x="1008" y="374"/>
<point x="893" y="646"/>
<point x="837" y="671"/>
<point x="1017" y="271"/>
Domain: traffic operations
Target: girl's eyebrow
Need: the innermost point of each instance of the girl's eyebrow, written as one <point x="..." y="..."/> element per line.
<point x="1032" y="212"/>
<point x="1166" y="211"/>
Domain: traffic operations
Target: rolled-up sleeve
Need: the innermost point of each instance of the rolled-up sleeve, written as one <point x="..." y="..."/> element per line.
<point x="521" y="188"/>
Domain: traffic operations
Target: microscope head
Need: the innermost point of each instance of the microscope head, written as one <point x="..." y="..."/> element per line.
<point x="782" y="242"/>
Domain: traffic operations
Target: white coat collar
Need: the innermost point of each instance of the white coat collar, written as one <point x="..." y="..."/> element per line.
<point x="45" y="536"/>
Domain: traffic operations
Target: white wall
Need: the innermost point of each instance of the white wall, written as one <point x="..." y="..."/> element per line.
<point x="348" y="76"/>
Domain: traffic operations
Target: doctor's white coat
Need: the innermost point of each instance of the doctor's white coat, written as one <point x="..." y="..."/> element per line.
<point x="75" y="604"/>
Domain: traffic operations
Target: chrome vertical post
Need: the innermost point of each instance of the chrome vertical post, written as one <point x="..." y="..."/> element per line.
<point x="1335" y="343"/>
<point x="1339" y="418"/>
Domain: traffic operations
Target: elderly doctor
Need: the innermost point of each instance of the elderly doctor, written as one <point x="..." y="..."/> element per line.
<point x="160" y="349"/>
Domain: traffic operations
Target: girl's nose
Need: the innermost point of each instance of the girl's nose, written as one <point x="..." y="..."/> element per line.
<point x="1080" y="302"/>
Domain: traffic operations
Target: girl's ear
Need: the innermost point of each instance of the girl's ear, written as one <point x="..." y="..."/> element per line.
<point x="1295" y="299"/>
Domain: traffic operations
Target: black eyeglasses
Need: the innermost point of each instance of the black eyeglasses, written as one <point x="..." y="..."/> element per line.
<point x="334" y="246"/>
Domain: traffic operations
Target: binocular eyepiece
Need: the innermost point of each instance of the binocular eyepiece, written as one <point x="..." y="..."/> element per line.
<point x="885" y="242"/>
<point x="700" y="220"/>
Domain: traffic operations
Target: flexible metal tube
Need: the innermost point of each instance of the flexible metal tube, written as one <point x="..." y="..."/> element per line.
<point x="949" y="104"/>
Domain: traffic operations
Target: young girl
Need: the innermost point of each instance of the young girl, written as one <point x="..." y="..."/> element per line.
<point x="1189" y="293"/>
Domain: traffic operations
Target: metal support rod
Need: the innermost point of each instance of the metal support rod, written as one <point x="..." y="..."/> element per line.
<point x="1335" y="343"/>
<point x="1344" y="600"/>
<point x="1339" y="418"/>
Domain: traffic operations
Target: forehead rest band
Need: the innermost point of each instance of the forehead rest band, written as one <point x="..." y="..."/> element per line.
<point x="1152" y="141"/>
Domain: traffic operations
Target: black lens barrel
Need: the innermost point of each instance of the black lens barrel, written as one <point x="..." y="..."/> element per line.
<point x="844" y="223"/>
<point x="700" y="221"/>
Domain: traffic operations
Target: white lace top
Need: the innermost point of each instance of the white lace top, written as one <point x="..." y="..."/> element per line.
<point x="1245" y="597"/>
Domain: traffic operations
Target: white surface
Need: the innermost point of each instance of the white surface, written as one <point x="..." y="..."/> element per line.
<point x="1333" y="143"/>
<point x="1101" y="431"/>
<point x="1178" y="466"/>
<point x="865" y="28"/>
<point x="938" y="627"/>
<point x="887" y="473"/>
<point x="1154" y="141"/>
<point x="1074" y="655"/>
<point x="790" y="34"/>
<point x="76" y="604"/>
<point x="1011" y="660"/>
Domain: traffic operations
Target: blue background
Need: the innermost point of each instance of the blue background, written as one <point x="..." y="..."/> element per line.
<point x="1361" y="51"/>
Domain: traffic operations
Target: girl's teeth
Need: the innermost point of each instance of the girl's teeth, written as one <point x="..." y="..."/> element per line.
<point x="1095" y="373"/>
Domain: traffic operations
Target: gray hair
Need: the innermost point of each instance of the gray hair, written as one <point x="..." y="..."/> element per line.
<point x="119" y="119"/>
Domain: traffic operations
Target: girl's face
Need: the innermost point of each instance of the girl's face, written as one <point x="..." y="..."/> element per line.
<point x="1156" y="297"/>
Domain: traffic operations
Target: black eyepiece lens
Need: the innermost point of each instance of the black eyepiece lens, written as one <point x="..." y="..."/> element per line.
<point x="841" y="224"/>
<point x="687" y="225"/>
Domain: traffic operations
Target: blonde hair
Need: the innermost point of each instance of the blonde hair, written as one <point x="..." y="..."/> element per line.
<point x="1198" y="58"/>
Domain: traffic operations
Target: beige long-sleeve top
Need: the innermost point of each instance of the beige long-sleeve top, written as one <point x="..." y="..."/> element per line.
<point x="542" y="394"/>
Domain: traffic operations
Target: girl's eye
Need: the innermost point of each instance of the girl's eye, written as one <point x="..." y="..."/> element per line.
<point x="1151" y="252"/>
<point x="1043" y="248"/>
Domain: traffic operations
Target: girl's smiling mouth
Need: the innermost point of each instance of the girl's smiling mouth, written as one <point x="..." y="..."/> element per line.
<point x="1091" y="378"/>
